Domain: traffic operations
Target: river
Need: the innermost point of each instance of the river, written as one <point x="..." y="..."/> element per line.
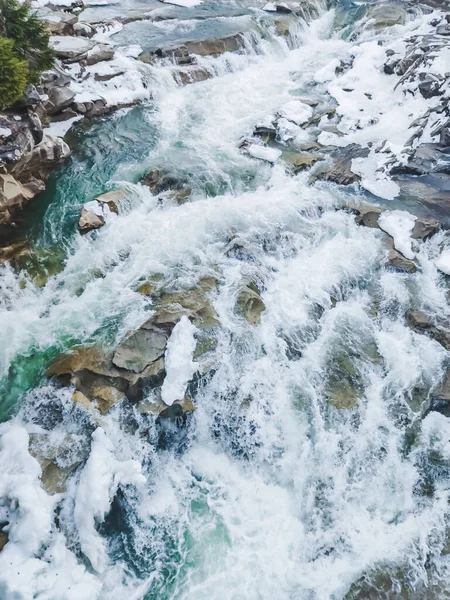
<point x="308" y="470"/>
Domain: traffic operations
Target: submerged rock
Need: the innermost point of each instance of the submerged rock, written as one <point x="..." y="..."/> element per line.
<point x="299" y="161"/>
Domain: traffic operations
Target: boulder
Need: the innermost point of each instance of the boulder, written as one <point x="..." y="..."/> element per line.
<point x="71" y="48"/>
<point x="398" y="262"/>
<point x="183" y="54"/>
<point x="54" y="478"/>
<point x="55" y="76"/>
<point x="14" y="195"/>
<point x="386" y="14"/>
<point x="430" y="86"/>
<point x="58" y="99"/>
<point x="18" y="137"/>
<point x="99" y="53"/>
<point x="90" y="220"/>
<point x="299" y="161"/>
<point x="191" y="74"/>
<point x="95" y="212"/>
<point x="341" y="161"/>
<point x="421" y="321"/>
<point x="83" y="29"/>
<point x="250" y="304"/>
<point x="58" y="22"/>
<point x="42" y="159"/>
<point x="141" y="348"/>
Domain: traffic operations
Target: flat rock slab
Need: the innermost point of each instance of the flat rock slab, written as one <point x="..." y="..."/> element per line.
<point x="70" y="47"/>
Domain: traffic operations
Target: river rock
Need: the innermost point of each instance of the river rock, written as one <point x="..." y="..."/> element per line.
<point x="95" y="212"/>
<point x="42" y="159"/>
<point x="141" y="348"/>
<point x="58" y="22"/>
<point x="398" y="262"/>
<point x="193" y="302"/>
<point x="191" y="74"/>
<point x="250" y="304"/>
<point x="183" y="54"/>
<point x="386" y="14"/>
<point x="99" y="53"/>
<point x="14" y="195"/>
<point x="340" y="170"/>
<point x="55" y="76"/>
<point x="58" y="99"/>
<point x="299" y="161"/>
<point x="71" y="48"/>
<point x="54" y="478"/>
<point x="83" y="29"/>
<point x="91" y="218"/>
<point x="421" y="321"/>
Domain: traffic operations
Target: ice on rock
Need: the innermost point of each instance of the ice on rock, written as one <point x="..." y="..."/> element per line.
<point x="443" y="262"/>
<point x="399" y="224"/>
<point x="264" y="153"/>
<point x="178" y="360"/>
<point x="98" y="484"/>
<point x="296" y="111"/>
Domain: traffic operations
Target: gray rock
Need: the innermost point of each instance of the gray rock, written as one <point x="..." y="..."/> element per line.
<point x="430" y="87"/>
<point x="42" y="159"/>
<point x="183" y="54"/>
<point x="58" y="99"/>
<point x="83" y="29"/>
<point x="99" y="53"/>
<point x="398" y="262"/>
<point x="250" y="304"/>
<point x="340" y="170"/>
<point x="141" y="348"/>
<point x="71" y="48"/>
<point x="443" y="29"/>
<point x="55" y="76"/>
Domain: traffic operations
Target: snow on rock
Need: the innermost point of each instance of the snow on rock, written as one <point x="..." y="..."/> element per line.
<point x="399" y="224"/>
<point x="443" y="262"/>
<point x="374" y="106"/>
<point x="60" y="128"/>
<point x="5" y="132"/>
<point x="264" y="153"/>
<point x="296" y="111"/>
<point x="178" y="360"/>
<point x="97" y="487"/>
<point x="29" y="512"/>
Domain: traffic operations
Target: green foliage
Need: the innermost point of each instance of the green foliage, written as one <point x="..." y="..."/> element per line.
<point x="31" y="39"/>
<point x="13" y="74"/>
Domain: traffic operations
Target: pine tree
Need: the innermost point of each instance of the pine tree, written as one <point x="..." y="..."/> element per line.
<point x="31" y="39"/>
<point x="13" y="74"/>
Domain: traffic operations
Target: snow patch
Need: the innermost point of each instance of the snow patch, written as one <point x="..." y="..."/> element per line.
<point x="399" y="224"/>
<point x="178" y="360"/>
<point x="263" y="153"/>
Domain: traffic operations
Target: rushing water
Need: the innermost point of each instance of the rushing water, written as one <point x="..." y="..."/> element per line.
<point x="307" y="470"/>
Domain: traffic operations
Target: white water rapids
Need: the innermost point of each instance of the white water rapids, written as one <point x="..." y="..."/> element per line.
<point x="273" y="490"/>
